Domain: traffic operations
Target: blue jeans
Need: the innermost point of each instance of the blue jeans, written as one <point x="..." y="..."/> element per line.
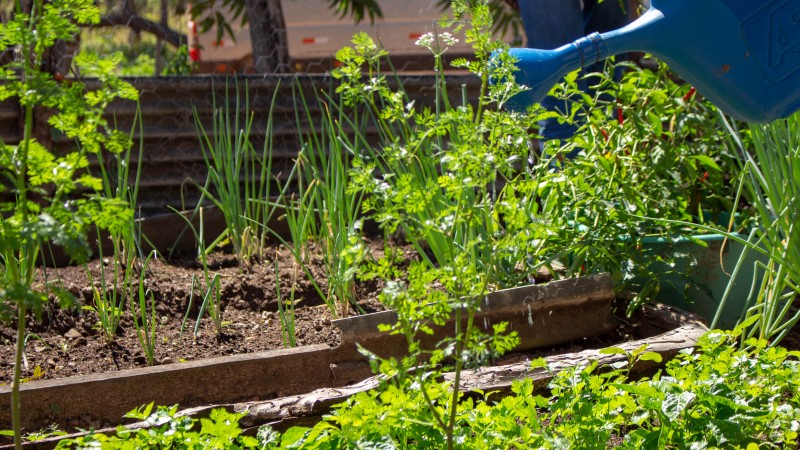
<point x="552" y="23"/>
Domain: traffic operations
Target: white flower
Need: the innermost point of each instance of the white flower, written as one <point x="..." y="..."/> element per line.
<point x="426" y="40"/>
<point x="448" y="39"/>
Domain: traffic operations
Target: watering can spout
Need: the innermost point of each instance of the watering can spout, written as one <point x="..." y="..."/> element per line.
<point x="743" y="55"/>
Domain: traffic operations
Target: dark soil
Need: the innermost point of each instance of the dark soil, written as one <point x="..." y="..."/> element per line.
<point x="69" y="342"/>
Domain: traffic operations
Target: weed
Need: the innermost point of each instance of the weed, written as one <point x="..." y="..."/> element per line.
<point x="286" y="308"/>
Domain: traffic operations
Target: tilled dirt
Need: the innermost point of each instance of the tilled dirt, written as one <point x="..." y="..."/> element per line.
<point x="70" y="342"/>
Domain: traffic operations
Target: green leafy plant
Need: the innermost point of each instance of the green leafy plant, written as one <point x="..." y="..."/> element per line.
<point x="164" y="428"/>
<point x="716" y="396"/>
<point x="120" y="183"/>
<point x="429" y="178"/>
<point x="47" y="197"/>
<point x="324" y="164"/>
<point x="448" y="177"/>
<point x="210" y="287"/>
<point x="647" y="147"/>
<point x="109" y="299"/>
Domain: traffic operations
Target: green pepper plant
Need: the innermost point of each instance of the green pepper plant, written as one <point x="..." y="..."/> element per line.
<point x="47" y="197"/>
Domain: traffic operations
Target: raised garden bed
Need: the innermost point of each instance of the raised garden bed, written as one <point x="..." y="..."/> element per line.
<point x="557" y="318"/>
<point x="282" y="382"/>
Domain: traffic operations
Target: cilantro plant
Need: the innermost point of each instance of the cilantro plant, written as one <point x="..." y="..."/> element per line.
<point x="47" y="197"/>
<point x="166" y="429"/>
<point x="434" y="177"/>
<point x="715" y="396"/>
<point x="448" y="177"/>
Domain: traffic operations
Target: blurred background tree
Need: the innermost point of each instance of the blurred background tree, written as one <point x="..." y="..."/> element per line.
<point x="164" y="20"/>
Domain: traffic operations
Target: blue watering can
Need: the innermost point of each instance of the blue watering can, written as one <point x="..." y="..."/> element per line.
<point x="743" y="55"/>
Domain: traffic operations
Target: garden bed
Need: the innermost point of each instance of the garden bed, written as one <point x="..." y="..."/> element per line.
<point x="296" y="400"/>
<point x="78" y="372"/>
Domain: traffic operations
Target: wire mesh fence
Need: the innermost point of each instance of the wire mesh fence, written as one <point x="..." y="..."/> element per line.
<point x="172" y="164"/>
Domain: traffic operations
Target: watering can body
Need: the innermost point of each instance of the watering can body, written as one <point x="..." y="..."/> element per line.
<point x="743" y="55"/>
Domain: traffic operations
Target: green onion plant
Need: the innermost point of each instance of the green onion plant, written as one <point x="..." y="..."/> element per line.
<point x="324" y="164"/>
<point x="109" y="297"/>
<point x="145" y="320"/>
<point x="120" y="185"/>
<point x="209" y="286"/>
<point x="239" y="178"/>
<point x="771" y="183"/>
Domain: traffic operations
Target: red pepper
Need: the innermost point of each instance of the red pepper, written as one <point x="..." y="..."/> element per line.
<point x="605" y="134"/>
<point x="620" y="116"/>
<point x="689" y="94"/>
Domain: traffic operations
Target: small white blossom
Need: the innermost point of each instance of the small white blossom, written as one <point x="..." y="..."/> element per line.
<point x="426" y="40"/>
<point x="448" y="39"/>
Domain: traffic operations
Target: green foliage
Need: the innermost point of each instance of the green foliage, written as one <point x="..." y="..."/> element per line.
<point x="445" y="173"/>
<point x="51" y="198"/>
<point x="770" y="162"/>
<point x="716" y="396"/>
<point x="322" y="208"/>
<point x="434" y="178"/>
<point x="239" y="176"/>
<point x="179" y="63"/>
<point x="210" y="287"/>
<point x="167" y="430"/>
<point x="713" y="397"/>
<point x="646" y="147"/>
<point x="145" y="320"/>
<point x="120" y="184"/>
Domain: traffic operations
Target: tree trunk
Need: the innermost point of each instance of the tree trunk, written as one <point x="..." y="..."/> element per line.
<point x="268" y="36"/>
<point x="159" y="43"/>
